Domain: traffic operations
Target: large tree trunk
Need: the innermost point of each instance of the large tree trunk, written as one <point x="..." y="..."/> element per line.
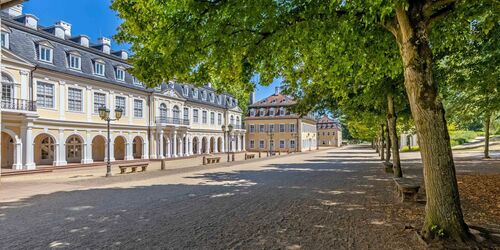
<point x="382" y="140"/>
<point x="487" y="135"/>
<point x="443" y="210"/>
<point x="388" y="144"/>
<point x="392" y="121"/>
<point x="377" y="141"/>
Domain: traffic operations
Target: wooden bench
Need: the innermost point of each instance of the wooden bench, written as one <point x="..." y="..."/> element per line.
<point x="249" y="156"/>
<point x="407" y="189"/>
<point x="133" y="166"/>
<point x="210" y="160"/>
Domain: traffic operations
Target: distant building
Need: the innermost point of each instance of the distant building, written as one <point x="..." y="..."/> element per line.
<point x="329" y="132"/>
<point x="272" y="126"/>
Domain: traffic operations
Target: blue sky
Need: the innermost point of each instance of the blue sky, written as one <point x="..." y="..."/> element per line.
<point x="93" y="18"/>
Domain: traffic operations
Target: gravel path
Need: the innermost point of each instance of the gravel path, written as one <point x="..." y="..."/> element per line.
<point x="329" y="199"/>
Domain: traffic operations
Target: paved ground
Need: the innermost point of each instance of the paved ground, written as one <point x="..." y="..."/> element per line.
<point x="328" y="199"/>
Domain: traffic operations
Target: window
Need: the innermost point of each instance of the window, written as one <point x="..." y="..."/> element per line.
<point x="195" y="93"/>
<point x="261" y="144"/>
<point x="7" y="89"/>
<point x="252" y="112"/>
<point x="282" y="128"/>
<point x="204" y="117"/>
<point x="75" y="99"/>
<point x="211" y="96"/>
<point x="120" y="103"/>
<point x="204" y="95"/>
<point x="5" y="40"/>
<point x="262" y="128"/>
<point x="195" y="115"/>
<point x="176" y="113"/>
<point x="136" y="81"/>
<point x="45" y="95"/>
<point x="45" y="54"/>
<point x="282" y="144"/>
<point x="120" y="74"/>
<point x="186" y="114"/>
<point x="252" y="128"/>
<point x="163" y="111"/>
<point x="185" y="90"/>
<point x="282" y="111"/>
<point x="271" y="112"/>
<point x="238" y="121"/>
<point x="292" y="127"/>
<point x="99" y="68"/>
<point x="231" y="120"/>
<point x="252" y="144"/>
<point x="219" y="119"/>
<point x="292" y="143"/>
<point x="75" y="62"/>
<point x="138" y="108"/>
<point x="212" y="118"/>
<point x="271" y="127"/>
<point x="99" y="101"/>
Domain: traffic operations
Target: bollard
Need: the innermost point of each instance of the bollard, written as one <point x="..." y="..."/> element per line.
<point x="163" y="163"/>
<point x="204" y="160"/>
<point x="267" y="153"/>
<point x="246" y="156"/>
<point x="259" y="154"/>
<point x="233" y="157"/>
<point x="279" y="152"/>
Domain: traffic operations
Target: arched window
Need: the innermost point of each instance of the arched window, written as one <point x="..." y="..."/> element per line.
<point x="176" y="112"/>
<point x="47" y="148"/>
<point x="237" y="120"/>
<point x="7" y="87"/>
<point x="232" y="120"/>
<point x="73" y="149"/>
<point x="163" y="111"/>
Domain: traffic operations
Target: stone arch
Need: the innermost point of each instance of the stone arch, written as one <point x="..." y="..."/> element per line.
<point x="204" y="144"/>
<point x="137" y="147"/>
<point x="219" y="144"/>
<point x="119" y="147"/>
<point x="212" y="145"/>
<point x="195" y="142"/>
<point x="8" y="149"/>
<point x="44" y="149"/>
<point x="98" y="148"/>
<point x="74" y="148"/>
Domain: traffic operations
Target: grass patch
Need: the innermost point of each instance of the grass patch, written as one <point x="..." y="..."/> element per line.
<point x="413" y="149"/>
<point x="460" y="137"/>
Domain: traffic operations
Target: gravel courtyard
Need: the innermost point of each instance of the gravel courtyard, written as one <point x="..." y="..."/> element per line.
<point x="327" y="199"/>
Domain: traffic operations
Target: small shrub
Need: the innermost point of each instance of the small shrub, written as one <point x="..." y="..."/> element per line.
<point x="437" y="231"/>
<point x="460" y="137"/>
<point x="413" y="149"/>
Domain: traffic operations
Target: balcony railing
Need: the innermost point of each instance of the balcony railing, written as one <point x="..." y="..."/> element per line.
<point x="18" y="104"/>
<point x="172" y="121"/>
<point x="237" y="126"/>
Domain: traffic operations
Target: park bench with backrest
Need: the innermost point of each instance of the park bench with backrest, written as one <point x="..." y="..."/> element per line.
<point x="249" y="156"/>
<point x="210" y="160"/>
<point x="133" y="166"/>
<point x="407" y="189"/>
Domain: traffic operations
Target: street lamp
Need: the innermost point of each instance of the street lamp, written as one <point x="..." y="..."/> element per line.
<point x="104" y="114"/>
<point x="228" y="132"/>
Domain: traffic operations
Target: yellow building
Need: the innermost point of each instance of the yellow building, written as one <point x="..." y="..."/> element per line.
<point x="53" y="84"/>
<point x="272" y="126"/>
<point x="329" y="132"/>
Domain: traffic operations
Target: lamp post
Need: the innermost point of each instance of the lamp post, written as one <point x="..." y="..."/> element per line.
<point x="104" y="114"/>
<point x="228" y="132"/>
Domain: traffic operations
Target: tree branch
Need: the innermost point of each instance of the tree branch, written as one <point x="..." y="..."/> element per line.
<point x="432" y="5"/>
<point x="440" y="13"/>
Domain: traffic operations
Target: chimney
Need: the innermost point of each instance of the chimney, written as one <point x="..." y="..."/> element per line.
<point x="66" y="26"/>
<point x="14" y="11"/>
<point x="29" y="20"/>
<point x="58" y="31"/>
<point x="121" y="53"/>
<point x="83" y="40"/>
<point x="105" y="43"/>
<point x="277" y="90"/>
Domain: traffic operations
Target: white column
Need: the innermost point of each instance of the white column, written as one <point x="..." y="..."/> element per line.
<point x="128" y="149"/>
<point x="243" y="143"/>
<point x="29" y="163"/>
<point x="60" y="150"/>
<point x="199" y="145"/>
<point x="223" y="144"/>
<point x="160" y="147"/>
<point x="24" y="84"/>
<point x="18" y="154"/>
<point x="169" y="147"/>
<point x="145" y="149"/>
<point x="174" y="141"/>
<point x="62" y="99"/>
<point x="189" y="145"/>
<point x="89" y="103"/>
<point x="216" y="146"/>
<point x="181" y="146"/>
<point x="87" y="152"/>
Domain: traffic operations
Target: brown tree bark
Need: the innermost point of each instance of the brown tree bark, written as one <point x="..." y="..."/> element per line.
<point x="388" y="144"/>
<point x="443" y="210"/>
<point x="487" y="135"/>
<point x="382" y="140"/>
<point x="393" y="133"/>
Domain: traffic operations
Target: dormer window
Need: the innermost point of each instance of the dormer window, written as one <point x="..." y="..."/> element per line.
<point x="75" y="61"/>
<point x="211" y="96"/>
<point x="262" y="112"/>
<point x="185" y="90"/>
<point x="271" y="112"/>
<point x="195" y="93"/>
<point x="45" y="53"/>
<point x="5" y="40"/>
<point x="120" y="74"/>
<point x="252" y="112"/>
<point x="282" y="111"/>
<point x="136" y="81"/>
<point x="99" y="68"/>
<point x="204" y="95"/>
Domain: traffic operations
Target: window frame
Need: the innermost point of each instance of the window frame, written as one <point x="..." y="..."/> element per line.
<point x="124" y="108"/>
<point x="103" y="64"/>
<point x="96" y="108"/>
<point x="196" y="116"/>
<point x="137" y="110"/>
<point x="204" y="116"/>
<point x="119" y="70"/>
<point x="43" y="104"/>
<point x="70" y="61"/>
<point x="5" y="39"/>
<point x="47" y="48"/>
<point x="75" y="101"/>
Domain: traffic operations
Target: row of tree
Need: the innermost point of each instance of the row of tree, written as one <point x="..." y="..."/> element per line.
<point x="375" y="59"/>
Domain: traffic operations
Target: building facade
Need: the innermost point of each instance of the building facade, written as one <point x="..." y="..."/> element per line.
<point x="53" y="84"/>
<point x="329" y="132"/>
<point x="272" y="126"/>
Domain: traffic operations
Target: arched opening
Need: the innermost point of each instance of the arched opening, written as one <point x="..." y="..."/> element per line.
<point x="204" y="145"/>
<point x="176" y="114"/>
<point x="119" y="148"/>
<point x="137" y="147"/>
<point x="44" y="149"/>
<point x="8" y="148"/>
<point x="74" y="146"/>
<point x="98" y="148"/>
<point x="195" y="145"/>
<point x="212" y="145"/>
<point x="163" y="112"/>
<point x="219" y="145"/>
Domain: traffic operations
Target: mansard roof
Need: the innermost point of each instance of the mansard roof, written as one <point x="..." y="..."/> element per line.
<point x="274" y="100"/>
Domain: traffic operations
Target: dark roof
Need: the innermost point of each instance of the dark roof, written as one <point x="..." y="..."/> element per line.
<point x="23" y="41"/>
<point x="275" y="100"/>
